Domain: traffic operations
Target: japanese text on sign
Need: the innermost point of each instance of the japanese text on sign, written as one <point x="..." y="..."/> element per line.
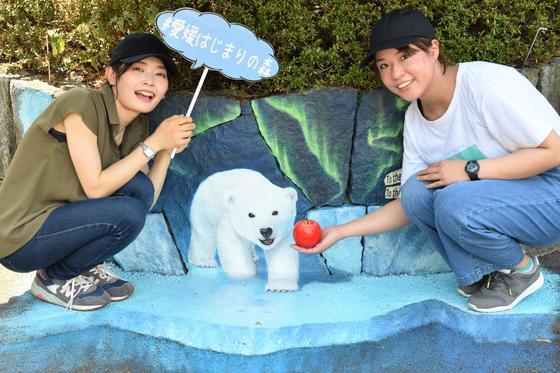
<point x="208" y="39"/>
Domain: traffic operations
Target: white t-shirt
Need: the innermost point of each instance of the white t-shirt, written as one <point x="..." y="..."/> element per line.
<point x="494" y="111"/>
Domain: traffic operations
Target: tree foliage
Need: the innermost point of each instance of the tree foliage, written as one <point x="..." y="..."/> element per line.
<point x="317" y="43"/>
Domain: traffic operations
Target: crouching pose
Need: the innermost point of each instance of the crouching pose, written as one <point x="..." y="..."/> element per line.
<point x="79" y="186"/>
<point x="480" y="170"/>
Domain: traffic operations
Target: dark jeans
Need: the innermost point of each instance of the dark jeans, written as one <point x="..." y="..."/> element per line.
<point x="80" y="235"/>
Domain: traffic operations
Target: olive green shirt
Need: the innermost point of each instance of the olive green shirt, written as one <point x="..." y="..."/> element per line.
<point x="41" y="176"/>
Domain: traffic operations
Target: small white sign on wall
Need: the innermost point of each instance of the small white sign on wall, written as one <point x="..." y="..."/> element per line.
<point x="392" y="182"/>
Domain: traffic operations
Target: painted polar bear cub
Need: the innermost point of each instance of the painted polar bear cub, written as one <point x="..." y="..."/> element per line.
<point x="235" y="210"/>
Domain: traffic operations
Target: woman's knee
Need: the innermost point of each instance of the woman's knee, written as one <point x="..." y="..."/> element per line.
<point x="139" y="187"/>
<point x="450" y="208"/>
<point x="19" y="267"/>
<point x="416" y="197"/>
<point x="132" y="215"/>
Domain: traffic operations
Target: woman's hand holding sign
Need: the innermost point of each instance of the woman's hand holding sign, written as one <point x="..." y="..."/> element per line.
<point x="174" y="132"/>
<point x="209" y="39"/>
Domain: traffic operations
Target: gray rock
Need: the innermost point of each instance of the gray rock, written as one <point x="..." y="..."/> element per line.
<point x="153" y="250"/>
<point x="8" y="134"/>
<point x="550" y="83"/>
<point x="29" y="99"/>
<point x="531" y="73"/>
<point x="208" y="111"/>
<point x="541" y="251"/>
<point x="311" y="137"/>
<point x="402" y="251"/>
<point x="346" y="255"/>
<point x="377" y="147"/>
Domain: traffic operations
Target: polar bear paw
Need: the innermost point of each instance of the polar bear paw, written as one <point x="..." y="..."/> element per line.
<point x="203" y="262"/>
<point x="281" y="286"/>
<point x="254" y="254"/>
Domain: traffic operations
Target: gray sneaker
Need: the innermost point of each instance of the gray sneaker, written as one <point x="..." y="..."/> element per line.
<point x="505" y="289"/>
<point x="117" y="288"/>
<point x="78" y="293"/>
<point x="468" y="290"/>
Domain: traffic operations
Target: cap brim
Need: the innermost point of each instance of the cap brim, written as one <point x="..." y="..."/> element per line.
<point x="167" y="61"/>
<point x="396" y="43"/>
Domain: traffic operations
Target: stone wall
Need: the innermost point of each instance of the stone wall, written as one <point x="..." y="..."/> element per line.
<point x="549" y="84"/>
<point x="339" y="148"/>
<point x="21" y="101"/>
<point x="8" y="131"/>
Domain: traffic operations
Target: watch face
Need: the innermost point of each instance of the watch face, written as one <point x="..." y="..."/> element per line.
<point x="472" y="167"/>
<point x="148" y="152"/>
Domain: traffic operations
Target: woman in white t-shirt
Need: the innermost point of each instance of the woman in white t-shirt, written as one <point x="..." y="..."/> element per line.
<point x="480" y="176"/>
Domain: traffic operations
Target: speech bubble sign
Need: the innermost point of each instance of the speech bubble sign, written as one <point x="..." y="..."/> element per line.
<point x="210" y="40"/>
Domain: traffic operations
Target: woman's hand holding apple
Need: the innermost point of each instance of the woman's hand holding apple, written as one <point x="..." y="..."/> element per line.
<point x="329" y="236"/>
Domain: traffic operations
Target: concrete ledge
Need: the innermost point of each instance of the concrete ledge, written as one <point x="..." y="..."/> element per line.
<point x="29" y="99"/>
<point x="424" y="349"/>
<point x="206" y="312"/>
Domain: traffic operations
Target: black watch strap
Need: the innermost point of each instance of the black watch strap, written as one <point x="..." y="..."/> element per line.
<point x="472" y="168"/>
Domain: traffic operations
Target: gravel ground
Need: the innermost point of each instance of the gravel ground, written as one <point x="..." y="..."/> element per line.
<point x="12" y="283"/>
<point x="551" y="261"/>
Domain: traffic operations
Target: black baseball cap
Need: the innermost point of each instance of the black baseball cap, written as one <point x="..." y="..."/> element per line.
<point x="398" y="29"/>
<point x="139" y="45"/>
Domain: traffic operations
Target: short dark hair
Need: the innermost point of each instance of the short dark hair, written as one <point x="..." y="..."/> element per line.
<point x="425" y="44"/>
<point x="120" y="68"/>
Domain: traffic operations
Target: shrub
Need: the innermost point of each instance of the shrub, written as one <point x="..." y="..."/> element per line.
<point x="317" y="43"/>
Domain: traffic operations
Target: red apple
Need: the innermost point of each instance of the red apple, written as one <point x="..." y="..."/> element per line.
<point x="307" y="233"/>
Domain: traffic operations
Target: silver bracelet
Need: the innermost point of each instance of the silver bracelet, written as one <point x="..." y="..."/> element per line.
<point x="148" y="152"/>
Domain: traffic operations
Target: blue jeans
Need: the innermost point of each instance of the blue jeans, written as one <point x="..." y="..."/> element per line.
<point x="478" y="226"/>
<point x="80" y="235"/>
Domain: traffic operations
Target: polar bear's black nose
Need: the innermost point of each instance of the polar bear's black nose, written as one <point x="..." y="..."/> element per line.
<point x="266" y="232"/>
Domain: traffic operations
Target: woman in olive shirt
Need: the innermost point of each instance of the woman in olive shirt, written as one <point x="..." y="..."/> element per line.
<point x="79" y="186"/>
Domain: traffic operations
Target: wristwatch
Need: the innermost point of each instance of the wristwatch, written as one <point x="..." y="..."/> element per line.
<point x="472" y="168"/>
<point x="148" y="152"/>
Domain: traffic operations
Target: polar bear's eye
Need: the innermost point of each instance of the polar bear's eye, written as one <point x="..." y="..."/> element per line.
<point x="251" y="215"/>
<point x="274" y="213"/>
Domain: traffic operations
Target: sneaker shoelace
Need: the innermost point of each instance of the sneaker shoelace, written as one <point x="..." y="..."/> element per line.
<point x="499" y="280"/>
<point x="103" y="273"/>
<point x="75" y="286"/>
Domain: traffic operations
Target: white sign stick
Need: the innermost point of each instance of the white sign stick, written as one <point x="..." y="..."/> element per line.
<point x="193" y="101"/>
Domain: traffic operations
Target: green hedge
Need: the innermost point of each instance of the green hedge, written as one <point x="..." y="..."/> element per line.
<point x="317" y="43"/>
